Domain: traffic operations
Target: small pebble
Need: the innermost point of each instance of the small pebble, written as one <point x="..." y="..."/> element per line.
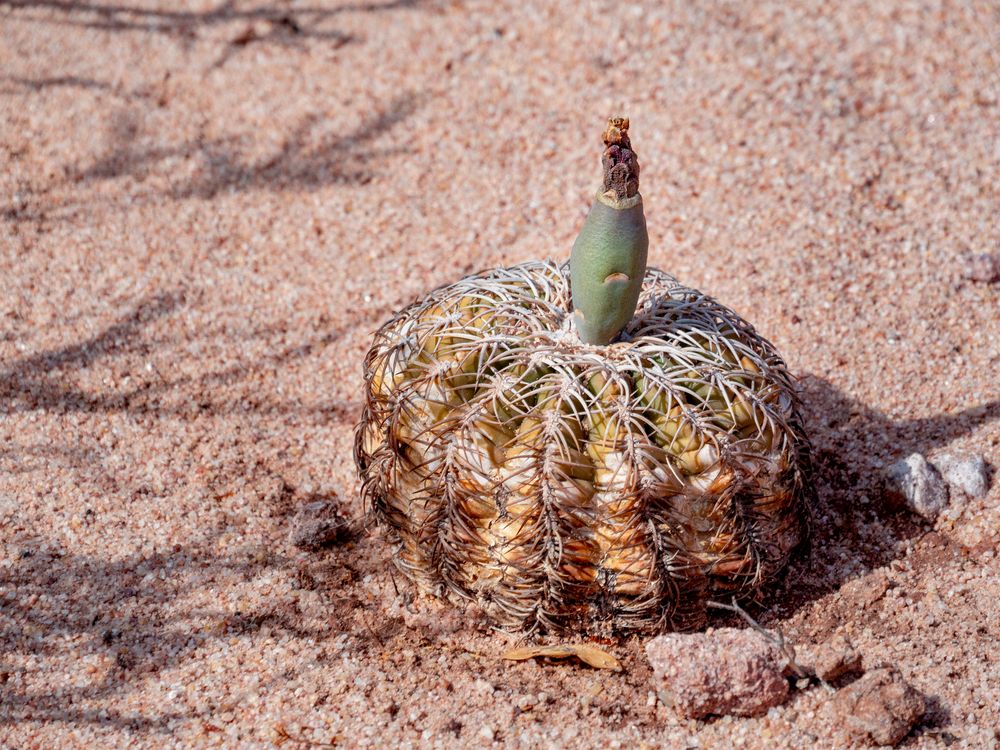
<point x="982" y="267"/>
<point x="915" y="484"/>
<point x="966" y="473"/>
<point x="486" y="732"/>
<point x="880" y="707"/>
<point x="319" y="524"/>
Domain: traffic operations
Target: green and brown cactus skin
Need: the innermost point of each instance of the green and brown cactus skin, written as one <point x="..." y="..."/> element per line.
<point x="562" y="484"/>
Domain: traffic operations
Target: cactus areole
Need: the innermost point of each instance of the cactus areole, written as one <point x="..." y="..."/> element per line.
<point x="587" y="446"/>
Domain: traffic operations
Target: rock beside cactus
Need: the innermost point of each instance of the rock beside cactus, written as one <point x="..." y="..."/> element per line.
<point x="927" y="487"/>
<point x="724" y="672"/>
<point x="880" y="707"/>
<point x="915" y="484"/>
<point x="966" y="474"/>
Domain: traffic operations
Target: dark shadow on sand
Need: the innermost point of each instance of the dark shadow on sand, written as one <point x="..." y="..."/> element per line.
<point x="852" y="527"/>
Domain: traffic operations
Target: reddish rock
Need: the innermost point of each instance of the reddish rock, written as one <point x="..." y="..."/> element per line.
<point x="830" y="660"/>
<point x="726" y="671"/>
<point x="881" y="707"/>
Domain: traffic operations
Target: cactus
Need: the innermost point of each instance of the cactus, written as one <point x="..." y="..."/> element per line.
<point x="607" y="470"/>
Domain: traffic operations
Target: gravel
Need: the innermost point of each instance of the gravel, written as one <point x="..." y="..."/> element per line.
<point x="200" y="228"/>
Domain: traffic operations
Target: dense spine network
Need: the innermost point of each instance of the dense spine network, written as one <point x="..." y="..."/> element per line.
<point x="561" y="484"/>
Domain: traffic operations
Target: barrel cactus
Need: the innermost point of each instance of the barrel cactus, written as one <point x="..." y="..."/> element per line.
<point x="587" y="446"/>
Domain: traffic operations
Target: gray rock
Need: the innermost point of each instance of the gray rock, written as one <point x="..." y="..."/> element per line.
<point x="915" y="484"/>
<point x="726" y="671"/>
<point x="880" y="707"/>
<point x="966" y="472"/>
<point x="319" y="524"/>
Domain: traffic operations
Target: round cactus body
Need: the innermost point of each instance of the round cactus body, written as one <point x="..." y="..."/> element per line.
<point x="561" y="484"/>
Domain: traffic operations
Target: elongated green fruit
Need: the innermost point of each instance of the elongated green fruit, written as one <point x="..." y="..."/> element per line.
<point x="608" y="261"/>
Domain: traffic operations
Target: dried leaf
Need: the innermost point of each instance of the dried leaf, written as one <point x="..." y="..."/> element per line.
<point x="595" y="657"/>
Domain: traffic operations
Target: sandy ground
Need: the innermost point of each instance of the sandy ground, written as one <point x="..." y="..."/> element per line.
<point x="205" y="211"/>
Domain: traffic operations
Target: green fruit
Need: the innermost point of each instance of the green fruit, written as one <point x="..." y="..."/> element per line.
<point x="607" y="266"/>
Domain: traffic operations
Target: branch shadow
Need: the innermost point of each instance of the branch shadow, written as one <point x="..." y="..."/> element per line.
<point x="129" y="616"/>
<point x="132" y="17"/>
<point x="44" y="83"/>
<point x="286" y="23"/>
<point x="44" y="380"/>
<point x="308" y="158"/>
<point x="135" y="615"/>
<point x="281" y="24"/>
